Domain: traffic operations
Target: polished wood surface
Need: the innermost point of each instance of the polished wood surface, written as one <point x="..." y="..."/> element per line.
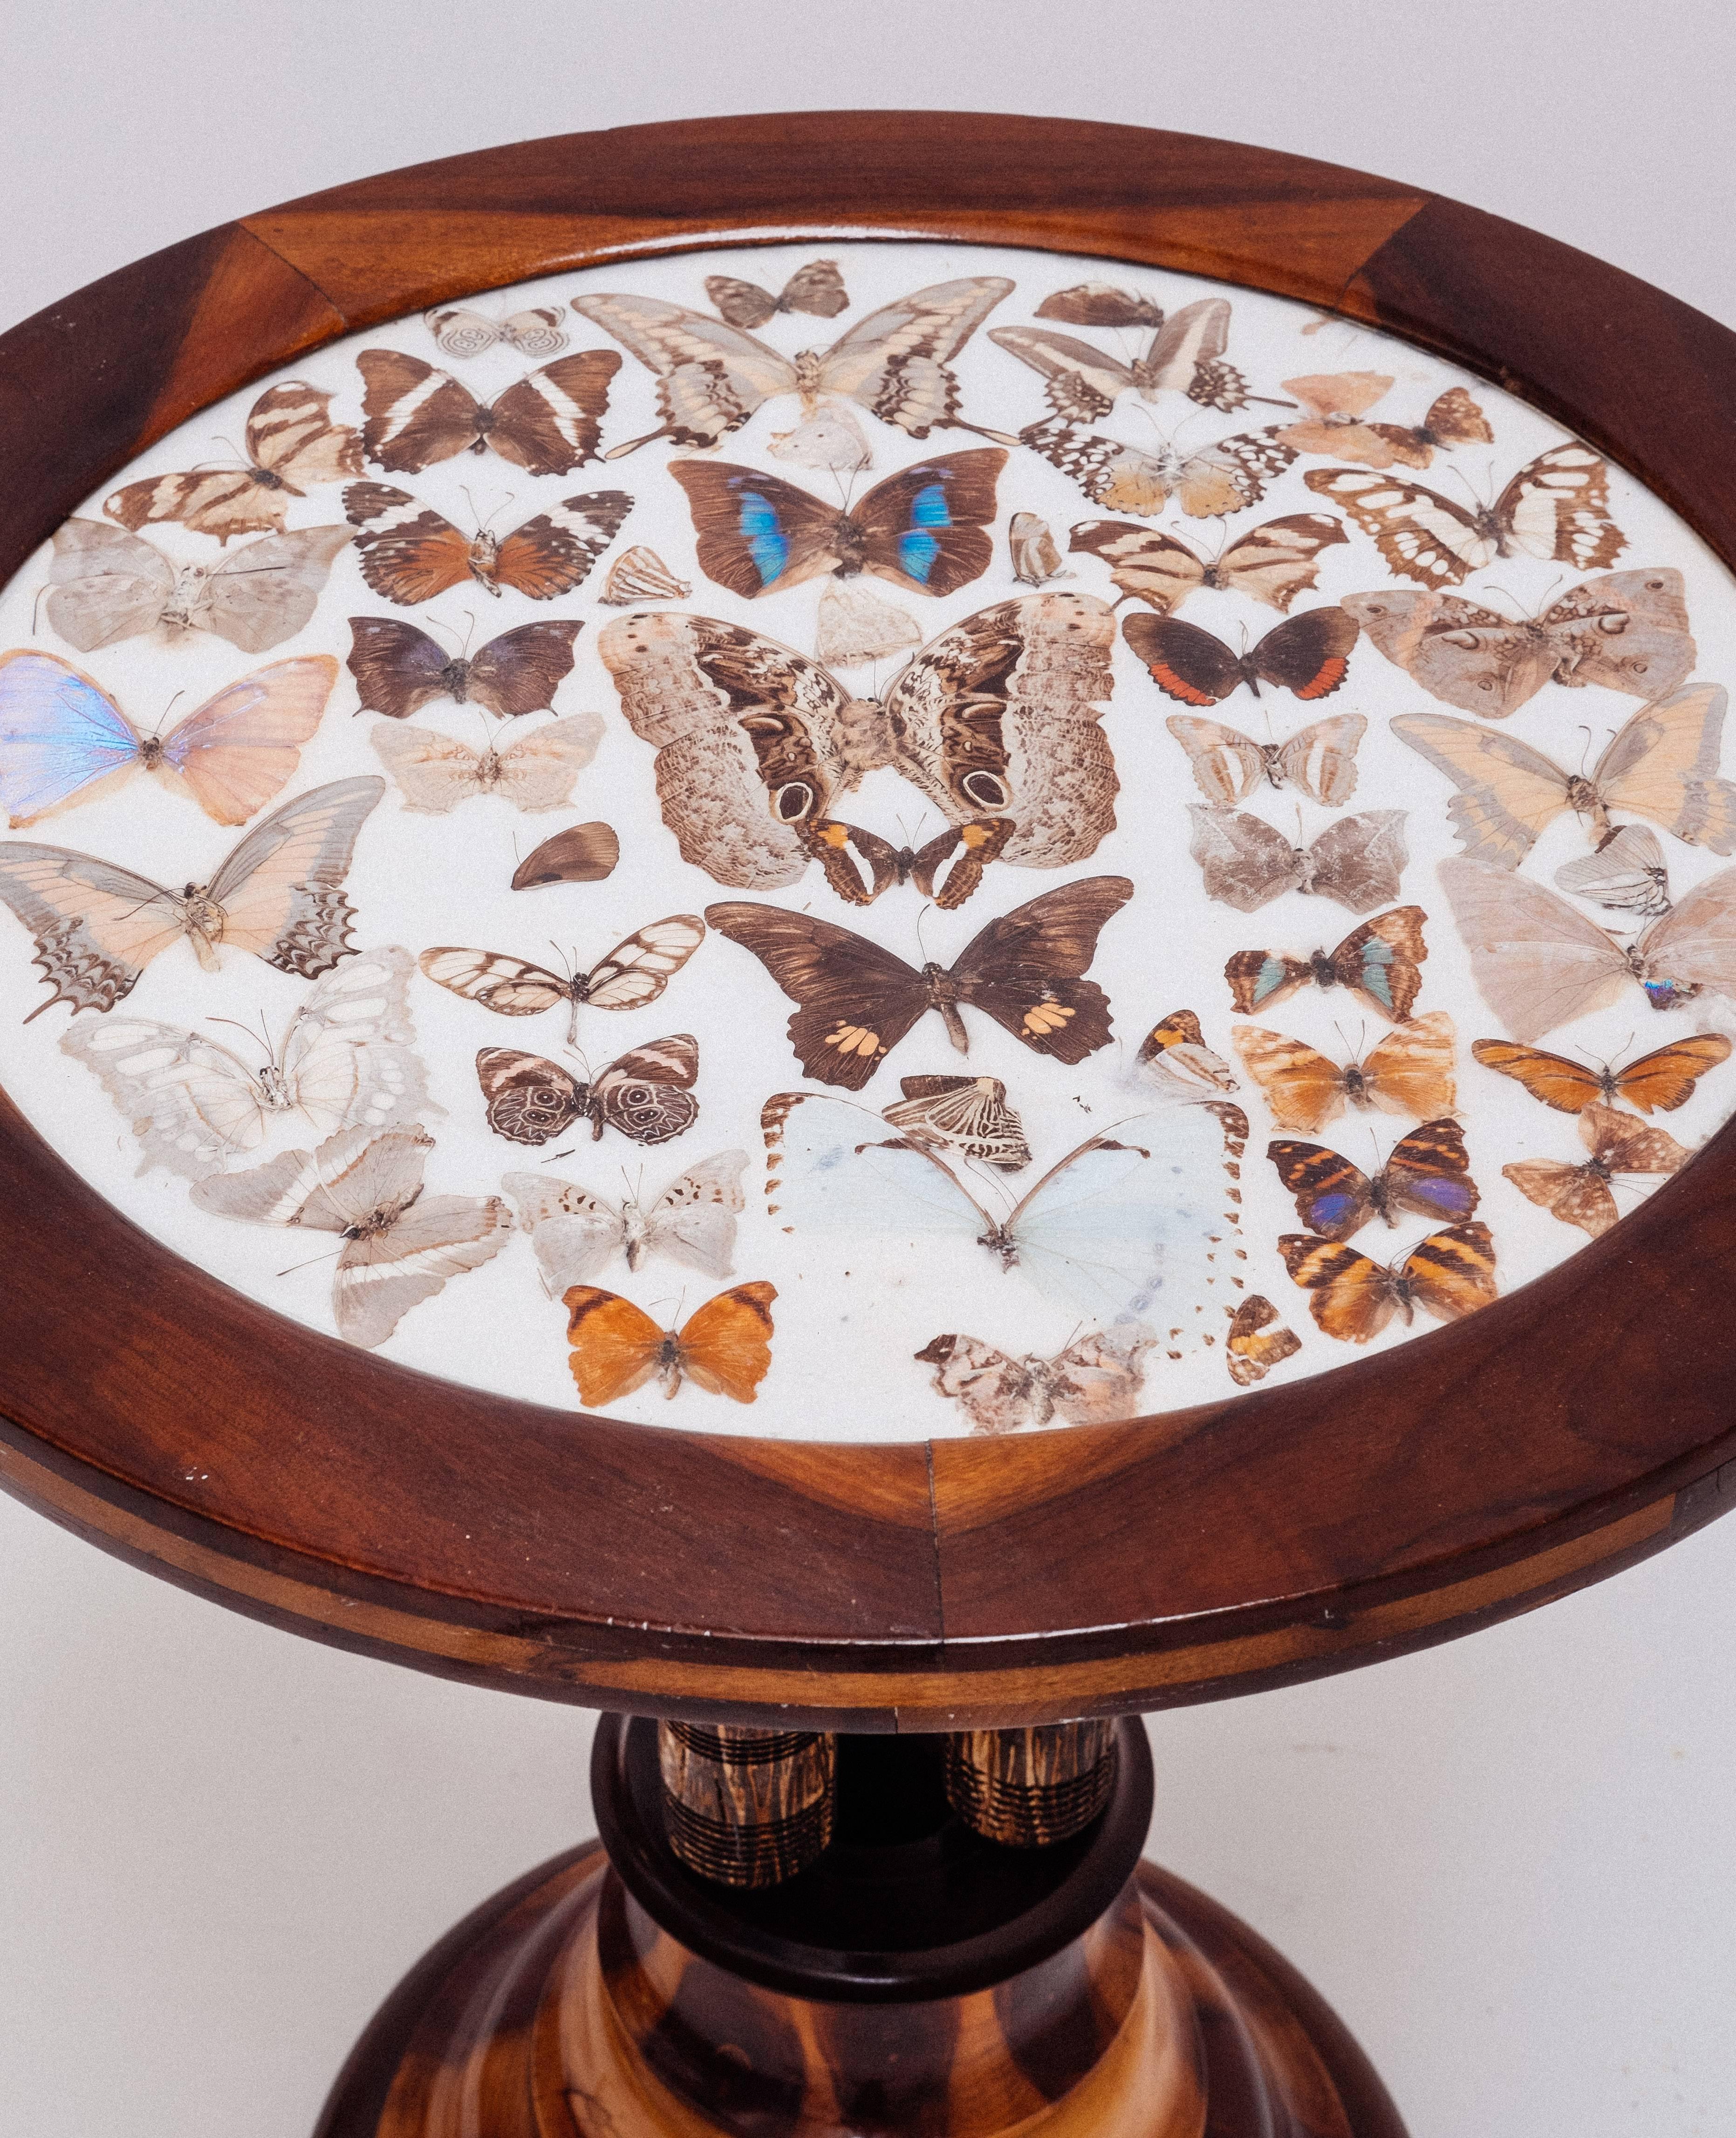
<point x="1564" y="1433"/>
<point x="747" y="1807"/>
<point x="1028" y="1788"/>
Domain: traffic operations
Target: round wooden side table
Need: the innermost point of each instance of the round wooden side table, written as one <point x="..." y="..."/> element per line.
<point x="957" y="1413"/>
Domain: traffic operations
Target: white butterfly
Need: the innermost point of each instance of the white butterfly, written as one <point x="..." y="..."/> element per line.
<point x="105" y="584"/>
<point x="1096" y="1380"/>
<point x="434" y="774"/>
<point x="346" y="1060"/>
<point x="1135" y="1213"/>
<point x="576" y="1233"/>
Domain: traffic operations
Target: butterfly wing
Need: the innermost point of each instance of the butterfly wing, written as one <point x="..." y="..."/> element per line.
<point x="831" y="1167"/>
<point x="1359" y="861"/>
<point x="510" y="987"/>
<point x="409" y="553"/>
<point x="1429" y="1174"/>
<point x="726" y="1347"/>
<point x="997" y="1394"/>
<point x="713" y="375"/>
<point x="1257" y="1342"/>
<point x="894" y="363"/>
<point x="520" y="671"/>
<point x="1624" y="873"/>
<point x="1567" y="1086"/>
<point x="349" y="1059"/>
<point x="574" y="1233"/>
<point x="416" y="415"/>
<point x="397" y="668"/>
<point x="1410" y="1072"/>
<point x="583" y="853"/>
<point x="967" y="1113"/>
<point x="290" y="433"/>
<point x="756" y="531"/>
<point x="693" y="1221"/>
<point x="1422" y="536"/>
<point x="1574" y="1194"/>
<point x="462" y="333"/>
<point x="382" y="1275"/>
<point x="265" y="592"/>
<point x="1538" y="962"/>
<point x="1185" y="662"/>
<point x="978" y="843"/>
<point x="96" y="926"/>
<point x="1693" y="946"/>
<point x="1349" y="1297"/>
<point x="854" y="626"/>
<point x="104" y="584"/>
<point x="742" y="304"/>
<point x="1185" y="356"/>
<point x="638" y="969"/>
<point x="1226" y="765"/>
<point x="1321" y="760"/>
<point x="925" y="528"/>
<point x="1557" y="508"/>
<point x="1509" y="794"/>
<point x="1243" y="862"/>
<point x="1308" y="655"/>
<point x="537" y="771"/>
<point x="529" y="1099"/>
<point x="1333" y="1197"/>
<point x="1664" y="766"/>
<point x="62" y="738"/>
<point x="856" y="1000"/>
<point x="1457" y="651"/>
<point x="281" y="889"/>
<point x="640" y="574"/>
<point x="1303" y="1090"/>
<point x="238" y="751"/>
<point x="549" y="423"/>
<point x="1665" y="1079"/>
<point x="1092" y="379"/>
<point x="1152" y="566"/>
<point x="1379" y="960"/>
<point x="1173" y="1056"/>
<point x="1025" y="970"/>
<point x="551" y="555"/>
<point x="1452" y="1273"/>
<point x="1098" y="1378"/>
<point x="647" y="1094"/>
<point x="191" y="1103"/>
<point x="1627" y="631"/>
<point x="1276" y="561"/>
<point x="615" y="1347"/>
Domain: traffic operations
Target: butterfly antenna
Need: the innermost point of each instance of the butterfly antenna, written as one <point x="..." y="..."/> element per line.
<point x="166" y="712"/>
<point x="554" y="1154"/>
<point x="236" y="1025"/>
<point x="331" y="1256"/>
<point x="436" y="623"/>
<point x="35" y="605"/>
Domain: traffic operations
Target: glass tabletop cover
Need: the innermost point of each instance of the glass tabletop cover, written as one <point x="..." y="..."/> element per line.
<point x="870" y="841"/>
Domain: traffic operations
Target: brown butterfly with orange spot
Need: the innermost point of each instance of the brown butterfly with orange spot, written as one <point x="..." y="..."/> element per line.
<point x="1409" y="1073"/>
<point x="1309" y="655"/>
<point x="1580" y="1195"/>
<point x="975" y="844"/>
<point x="1448" y="1275"/>
<point x="1257" y="1342"/>
<point x="1337" y="401"/>
<point x="1661" y="1081"/>
<point x="724" y="1349"/>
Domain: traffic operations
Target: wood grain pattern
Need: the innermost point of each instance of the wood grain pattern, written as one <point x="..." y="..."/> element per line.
<point x="747" y="1807"/>
<point x="1028" y="1788"/>
<point x="1480" y="1470"/>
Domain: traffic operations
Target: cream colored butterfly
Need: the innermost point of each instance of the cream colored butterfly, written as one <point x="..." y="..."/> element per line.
<point x="435" y="772"/>
<point x="576" y="1232"/>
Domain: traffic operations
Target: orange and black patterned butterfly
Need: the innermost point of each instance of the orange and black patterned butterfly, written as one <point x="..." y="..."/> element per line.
<point x="725" y="1348"/>
<point x="1659" y="1083"/>
<point x="1257" y="1342"/>
<point x="548" y="423"/>
<point x="1410" y="1072"/>
<point x="1308" y="655"/>
<point x="1428" y="1174"/>
<point x="1448" y="1275"/>
<point x="980" y="840"/>
<point x="1377" y="962"/>
<point x="410" y="553"/>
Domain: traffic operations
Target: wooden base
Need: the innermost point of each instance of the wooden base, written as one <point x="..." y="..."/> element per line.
<point x="560" y="2010"/>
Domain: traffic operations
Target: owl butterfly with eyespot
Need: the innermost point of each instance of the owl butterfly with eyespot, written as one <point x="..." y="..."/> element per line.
<point x="1427" y="1174"/>
<point x="817" y="289"/>
<point x="1307" y="655"/>
<point x="724" y="1349"/>
<point x="399" y="1245"/>
<point x="65" y="741"/>
<point x="1272" y="562"/>
<point x="1226" y="476"/>
<point x="636" y="971"/>
<point x="923" y="528"/>
<point x="280" y="894"/>
<point x="1662" y="764"/>
<point x="1227" y="766"/>
<point x="1095" y="1380"/>
<point x="435" y="772"/>
<point x="292" y="444"/>
<point x="712" y="376"/>
<point x="1624" y="873"/>
<point x="1659" y="1082"/>
<point x="856" y="1001"/>
<point x="576" y="1232"/>
<point x="460" y="332"/>
<point x="105" y="585"/>
<point x="1337" y="401"/>
<point x="1448" y="1274"/>
<point x="410" y="553"/>
<point x="1627" y="631"/>
<point x="968" y="1114"/>
<point x="549" y="422"/>
<point x="1539" y="963"/>
<point x="1257" y="1342"/>
<point x="646" y="1093"/>
<point x="1377" y="962"/>
<point x="1410" y="1072"/>
<point x="1174" y="1059"/>
<point x="1185" y="356"/>
<point x="1556" y="508"/>
<point x="1580" y="1195"/>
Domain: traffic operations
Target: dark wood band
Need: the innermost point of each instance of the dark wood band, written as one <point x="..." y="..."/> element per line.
<point x="1565" y="1433"/>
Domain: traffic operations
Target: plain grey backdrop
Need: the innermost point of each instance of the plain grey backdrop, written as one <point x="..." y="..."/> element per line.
<point x="1508" y="1861"/>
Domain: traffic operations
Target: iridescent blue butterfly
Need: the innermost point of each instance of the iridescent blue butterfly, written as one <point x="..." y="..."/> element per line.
<point x="925" y="529"/>
<point x="1428" y="1173"/>
<point x="1378" y="961"/>
<point x="63" y="738"/>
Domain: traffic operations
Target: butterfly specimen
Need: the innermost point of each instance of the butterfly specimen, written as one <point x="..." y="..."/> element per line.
<point x="1580" y="1195"/>
<point x="1309" y="655"/>
<point x="1427" y="1174"/>
<point x="829" y="438"/>
<point x="460" y="332"/>
<point x="724" y="1349"/>
<point x="756" y="744"/>
<point x="1556" y="507"/>
<point x="1227" y="765"/>
<point x="1184" y="356"/>
<point x="1257" y="1342"/>
<point x="636" y="971"/>
<point x="817" y="289"/>
<point x="105" y="584"/>
<point x="1410" y="1072"/>
<point x="1538" y="962"/>
<point x="1627" y="631"/>
<point x="853" y="626"/>
<point x="399" y="1245"/>
<point x="1174" y="1058"/>
<point x="583" y="853"/>
<point x="1358" y="861"/>
<point x="1659" y="1082"/>
<point x="1336" y="402"/>
<point x="1225" y="476"/>
<point x="1272" y="562"/>
<point x="712" y="376"/>
<point x="856" y="1001"/>
<point x="64" y="740"/>
<point x="535" y="771"/>
<point x="1448" y="1275"/>
<point x="1100" y="304"/>
<point x="279" y="895"/>
<point x="1624" y="873"/>
<point x="576" y="1233"/>
<point x="640" y="574"/>
<point x="1095" y="1380"/>
<point x="646" y="1093"/>
<point x="975" y="844"/>
<point x="968" y="1114"/>
<point x="1377" y="962"/>
<point x="1036" y="560"/>
<point x="410" y="553"/>
<point x="1663" y="765"/>
<point x="923" y="528"/>
<point x="1135" y="1212"/>
<point x="399" y="669"/>
<point x="346" y="1060"/>
<point x="292" y="444"/>
<point x="548" y="423"/>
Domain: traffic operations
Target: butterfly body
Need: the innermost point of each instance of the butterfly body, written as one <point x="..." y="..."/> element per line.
<point x="724" y="1349"/>
<point x="1427" y="1175"/>
<point x="646" y="1094"/>
<point x="1663" y="1080"/>
<point x="1450" y="1274"/>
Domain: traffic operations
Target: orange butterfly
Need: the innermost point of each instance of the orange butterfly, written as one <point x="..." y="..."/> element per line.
<point x="1580" y="1195"/>
<point x="1448" y="1275"/>
<point x="1410" y="1072"/>
<point x="725" y="1348"/>
<point x="1663" y="1080"/>
<point x="1257" y="1342"/>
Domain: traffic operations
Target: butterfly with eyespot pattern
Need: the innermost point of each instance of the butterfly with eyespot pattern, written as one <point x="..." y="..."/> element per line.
<point x="856" y="1001"/>
<point x="1660" y="1081"/>
<point x="1254" y="1344"/>
<point x="399" y="669"/>
<point x="1359" y="861"/>
<point x="646" y="1093"/>
<point x="1185" y="356"/>
<point x="1409" y="1073"/>
<point x="1307" y="655"/>
<point x="1096" y="1380"/>
<point x="817" y="289"/>
<point x="549" y="422"/>
<point x="1336" y="402"/>
<point x="1426" y="1174"/>
<point x="1580" y="1195"/>
<point x="534" y="772"/>
<point x="1319" y="761"/>
<point x="410" y="553"/>
<point x="923" y="528"/>
<point x="1272" y="562"/>
<point x="1377" y="962"/>
<point x="636" y="971"/>
<point x="725" y="1348"/>
<point x="105" y="584"/>
<point x="292" y="444"/>
<point x="1448" y="1274"/>
<point x="460" y="332"/>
